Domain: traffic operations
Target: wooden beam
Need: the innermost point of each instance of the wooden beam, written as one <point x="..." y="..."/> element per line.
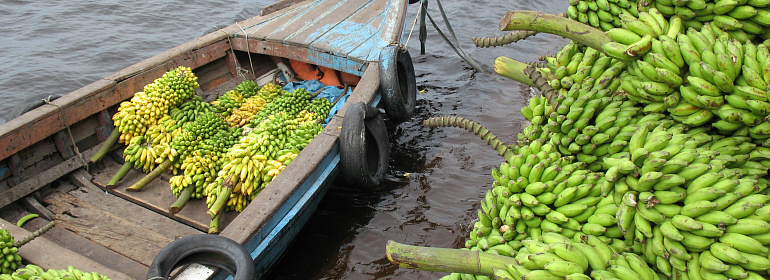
<point x="44" y="178"/>
<point x="62" y="142"/>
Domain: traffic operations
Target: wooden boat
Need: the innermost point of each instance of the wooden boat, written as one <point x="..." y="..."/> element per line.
<point x="45" y="152"/>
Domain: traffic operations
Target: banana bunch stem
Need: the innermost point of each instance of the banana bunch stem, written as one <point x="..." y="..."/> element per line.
<point x="554" y="24"/>
<point x="223" y="197"/>
<point x="502" y="149"/>
<point x="445" y="259"/>
<point x="106" y="145"/>
<point x="513" y="69"/>
<point x="542" y="84"/>
<point x="214" y="225"/>
<point x="151" y="176"/>
<point x="120" y="174"/>
<point x="183" y="198"/>
<point x="35" y="234"/>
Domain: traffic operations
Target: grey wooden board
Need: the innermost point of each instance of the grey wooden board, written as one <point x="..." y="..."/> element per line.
<point x="157" y="196"/>
<point x="50" y="255"/>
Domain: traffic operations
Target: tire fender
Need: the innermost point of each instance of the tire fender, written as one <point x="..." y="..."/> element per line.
<point x="364" y="146"/>
<point x="204" y="249"/>
<point x="397" y="83"/>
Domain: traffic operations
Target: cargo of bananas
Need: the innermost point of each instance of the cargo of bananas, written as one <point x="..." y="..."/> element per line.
<point x="34" y="272"/>
<point x="9" y="256"/>
<point x="233" y="99"/>
<point x="260" y="156"/>
<point x="145" y="108"/>
<point x="290" y="103"/>
<point x="242" y="115"/>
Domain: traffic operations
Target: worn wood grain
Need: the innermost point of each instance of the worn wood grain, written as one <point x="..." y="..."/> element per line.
<point x="104" y="228"/>
<point x="157" y="196"/>
<point x="40" y="180"/>
<point x="50" y="255"/>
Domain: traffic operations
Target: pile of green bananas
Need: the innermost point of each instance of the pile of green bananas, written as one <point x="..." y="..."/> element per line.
<point x="233" y="99"/>
<point x="201" y="146"/>
<point x="34" y="272"/>
<point x="9" y="256"/>
<point x="602" y="14"/>
<point x="259" y="157"/>
<point x="242" y="116"/>
<point x="290" y="103"/>
<point x="145" y="108"/>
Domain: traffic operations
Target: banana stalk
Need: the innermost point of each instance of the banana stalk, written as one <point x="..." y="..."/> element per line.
<point x="502" y="149"/>
<point x="183" y="198"/>
<point x="120" y="174"/>
<point x="513" y="69"/>
<point x="542" y="84"/>
<point x="151" y="176"/>
<point x="106" y="145"/>
<point x="445" y="259"/>
<point x="35" y="234"/>
<point x="223" y="196"/>
<point x="214" y="225"/>
<point x="554" y="24"/>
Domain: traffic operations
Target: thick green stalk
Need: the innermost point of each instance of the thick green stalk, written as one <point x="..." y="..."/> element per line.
<point x="214" y="225"/>
<point x="120" y="174"/>
<point x="502" y="149"/>
<point x="106" y="145"/>
<point x="35" y="234"/>
<point x="513" y="69"/>
<point x="223" y="196"/>
<point x="445" y="259"/>
<point x="151" y="176"/>
<point x="554" y="24"/>
<point x="183" y="198"/>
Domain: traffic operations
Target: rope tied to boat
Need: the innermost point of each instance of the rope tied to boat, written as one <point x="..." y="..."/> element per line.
<point x="240" y="70"/>
<point x="69" y="131"/>
<point x="454" y="45"/>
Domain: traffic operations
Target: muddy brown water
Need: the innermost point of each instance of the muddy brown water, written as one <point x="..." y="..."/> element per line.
<point x="436" y="178"/>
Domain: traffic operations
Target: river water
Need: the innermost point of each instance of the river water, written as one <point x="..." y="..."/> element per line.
<point x="437" y="176"/>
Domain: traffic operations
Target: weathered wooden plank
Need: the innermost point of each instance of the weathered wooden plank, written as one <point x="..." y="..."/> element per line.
<point x="146" y="218"/>
<point x="350" y="32"/>
<point x="104" y="228"/>
<point x="40" y="180"/>
<point x="279" y="20"/>
<point x="50" y="255"/>
<point x="280" y="31"/>
<point x="324" y="23"/>
<point x="277" y="6"/>
<point x="46" y="120"/>
<point x="157" y="196"/>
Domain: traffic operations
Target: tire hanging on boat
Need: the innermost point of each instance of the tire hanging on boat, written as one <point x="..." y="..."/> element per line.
<point x="397" y="83"/>
<point x="204" y="249"/>
<point x="364" y="146"/>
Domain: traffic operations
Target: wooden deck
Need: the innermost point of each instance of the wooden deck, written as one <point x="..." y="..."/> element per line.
<point x="338" y="34"/>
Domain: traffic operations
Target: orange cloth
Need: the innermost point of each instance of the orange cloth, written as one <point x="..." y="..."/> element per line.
<point x="305" y="71"/>
<point x="330" y="77"/>
<point x="349" y="79"/>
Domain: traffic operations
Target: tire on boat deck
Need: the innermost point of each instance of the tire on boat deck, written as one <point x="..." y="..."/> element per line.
<point x="32" y="103"/>
<point x="364" y="146"/>
<point x="204" y="249"/>
<point x="397" y="83"/>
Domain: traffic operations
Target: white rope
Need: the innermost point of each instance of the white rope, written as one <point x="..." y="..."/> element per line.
<point x="72" y="139"/>
<point x="413" y="24"/>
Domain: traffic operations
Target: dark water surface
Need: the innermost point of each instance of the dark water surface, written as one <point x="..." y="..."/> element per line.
<point x="436" y="178"/>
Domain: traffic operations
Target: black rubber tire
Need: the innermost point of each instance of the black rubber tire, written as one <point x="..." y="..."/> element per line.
<point x="204" y="249"/>
<point x="397" y="83"/>
<point x="364" y="146"/>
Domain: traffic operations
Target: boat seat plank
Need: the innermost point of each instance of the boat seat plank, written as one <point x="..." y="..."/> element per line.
<point x="50" y="255"/>
<point x="139" y="215"/>
<point x="105" y="228"/>
<point x="157" y="196"/>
